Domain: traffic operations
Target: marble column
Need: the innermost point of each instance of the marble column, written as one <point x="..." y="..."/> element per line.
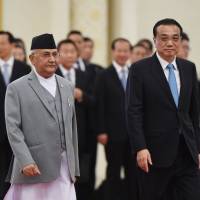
<point x="1" y="14"/>
<point x="91" y="18"/>
<point x="123" y="19"/>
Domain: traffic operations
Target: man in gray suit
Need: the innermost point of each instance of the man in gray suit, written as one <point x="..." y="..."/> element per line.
<point x="41" y="127"/>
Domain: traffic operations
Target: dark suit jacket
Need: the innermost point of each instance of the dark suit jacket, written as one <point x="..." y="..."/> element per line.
<point x="19" y="69"/>
<point x="110" y="105"/>
<point x="81" y="108"/>
<point x="154" y="121"/>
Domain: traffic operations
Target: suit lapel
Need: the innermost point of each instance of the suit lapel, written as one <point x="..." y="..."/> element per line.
<point x="116" y="79"/>
<point x="2" y="82"/>
<point x="64" y="98"/>
<point x="58" y="72"/>
<point x="14" y="72"/>
<point x="158" y="73"/>
<point x="35" y="85"/>
<point x="183" y="78"/>
<point x="79" y="78"/>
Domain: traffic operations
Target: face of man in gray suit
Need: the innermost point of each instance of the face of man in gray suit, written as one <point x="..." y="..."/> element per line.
<point x="44" y="61"/>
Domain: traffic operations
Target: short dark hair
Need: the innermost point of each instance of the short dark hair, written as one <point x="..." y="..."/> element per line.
<point x="185" y="36"/>
<point x="120" y="40"/>
<point x="138" y="45"/>
<point x="9" y="34"/>
<point x="147" y="41"/>
<point x="19" y="41"/>
<point x="88" y="39"/>
<point x="66" y="41"/>
<point x="167" y="21"/>
<point x="74" y="32"/>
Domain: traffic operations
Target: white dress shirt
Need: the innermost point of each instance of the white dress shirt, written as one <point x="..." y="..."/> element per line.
<point x="71" y="72"/>
<point x="10" y="63"/>
<point x="48" y="83"/>
<point x="164" y="64"/>
<point x="119" y="69"/>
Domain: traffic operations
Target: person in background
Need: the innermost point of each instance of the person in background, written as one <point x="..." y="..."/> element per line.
<point x="68" y="55"/>
<point x="184" y="49"/>
<point x="88" y="52"/>
<point x="10" y="70"/>
<point x="92" y="71"/>
<point x="19" y="53"/>
<point x="88" y="49"/>
<point x="138" y="52"/>
<point x="111" y="123"/>
<point x="148" y="45"/>
<point x="20" y="42"/>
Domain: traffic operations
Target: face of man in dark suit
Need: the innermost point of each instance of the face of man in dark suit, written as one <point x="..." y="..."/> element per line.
<point x="44" y="61"/>
<point x="184" y="49"/>
<point x="5" y="47"/>
<point x="167" y="41"/>
<point x="121" y="52"/>
<point x="78" y="40"/>
<point x="68" y="55"/>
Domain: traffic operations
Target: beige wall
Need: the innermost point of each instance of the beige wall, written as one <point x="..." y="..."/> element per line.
<point x="1" y="13"/>
<point x="103" y="20"/>
<point x="27" y="18"/>
<point x="91" y="18"/>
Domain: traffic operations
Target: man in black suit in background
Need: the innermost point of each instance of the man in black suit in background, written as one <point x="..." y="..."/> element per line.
<point x="111" y="123"/>
<point x="88" y="52"/>
<point x="91" y="71"/>
<point x="10" y="70"/>
<point x="184" y="49"/>
<point x="163" y="118"/>
<point x="68" y="56"/>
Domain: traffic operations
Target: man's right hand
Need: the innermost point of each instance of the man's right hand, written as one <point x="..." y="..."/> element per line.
<point x="31" y="170"/>
<point x="102" y="138"/>
<point x="144" y="159"/>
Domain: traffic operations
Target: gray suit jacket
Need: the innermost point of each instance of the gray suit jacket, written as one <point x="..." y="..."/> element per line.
<point x="33" y="132"/>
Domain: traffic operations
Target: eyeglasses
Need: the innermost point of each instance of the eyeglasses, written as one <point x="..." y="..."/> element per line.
<point x="47" y="54"/>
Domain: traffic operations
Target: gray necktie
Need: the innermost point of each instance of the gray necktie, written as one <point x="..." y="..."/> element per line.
<point x="6" y="75"/>
<point x="68" y="76"/>
<point x="123" y="78"/>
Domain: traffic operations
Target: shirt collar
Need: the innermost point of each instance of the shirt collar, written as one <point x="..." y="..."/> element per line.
<point x="41" y="78"/>
<point x="10" y="61"/>
<point x="65" y="71"/>
<point x="119" y="67"/>
<point x="164" y="63"/>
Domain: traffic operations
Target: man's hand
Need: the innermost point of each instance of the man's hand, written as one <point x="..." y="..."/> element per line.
<point x="144" y="159"/>
<point x="78" y="94"/>
<point x="199" y="160"/>
<point x="31" y="170"/>
<point x="102" y="138"/>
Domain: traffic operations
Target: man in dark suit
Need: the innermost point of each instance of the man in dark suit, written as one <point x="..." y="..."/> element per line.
<point x="68" y="56"/>
<point x="163" y="118"/>
<point x="88" y="52"/>
<point x="184" y="49"/>
<point x="92" y="71"/>
<point x="111" y="124"/>
<point x="10" y="70"/>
